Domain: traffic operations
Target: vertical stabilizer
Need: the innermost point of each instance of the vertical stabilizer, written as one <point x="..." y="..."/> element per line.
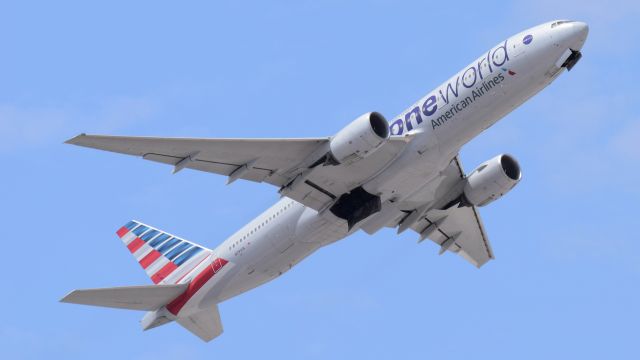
<point x="205" y="324"/>
<point x="166" y="258"/>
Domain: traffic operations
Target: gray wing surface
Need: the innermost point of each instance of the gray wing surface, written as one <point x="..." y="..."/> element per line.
<point x="454" y="229"/>
<point x="275" y="161"/>
<point x="219" y="156"/>
<point x="457" y="229"/>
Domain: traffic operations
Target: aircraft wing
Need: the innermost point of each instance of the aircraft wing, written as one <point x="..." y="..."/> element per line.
<point x="456" y="229"/>
<point x="275" y="161"/>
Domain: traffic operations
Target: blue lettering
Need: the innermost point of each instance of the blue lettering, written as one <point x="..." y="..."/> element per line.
<point x="494" y="57"/>
<point x="480" y="67"/>
<point x="488" y="61"/>
<point x="407" y="118"/>
<point x="397" y="127"/>
<point x="464" y="77"/>
<point x="505" y="57"/>
<point x="429" y="107"/>
<point x="449" y="87"/>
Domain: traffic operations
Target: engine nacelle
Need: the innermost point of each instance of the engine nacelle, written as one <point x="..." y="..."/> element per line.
<point x="360" y="138"/>
<point x="491" y="180"/>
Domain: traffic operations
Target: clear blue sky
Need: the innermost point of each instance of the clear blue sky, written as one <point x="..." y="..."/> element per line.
<point x="565" y="282"/>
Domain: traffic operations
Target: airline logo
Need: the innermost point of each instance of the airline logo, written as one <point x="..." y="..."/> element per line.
<point x="509" y="71"/>
<point x="160" y="254"/>
<point x="479" y="77"/>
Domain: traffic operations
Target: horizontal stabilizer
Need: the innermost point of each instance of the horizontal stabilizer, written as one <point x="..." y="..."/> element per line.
<point x="205" y="324"/>
<point x="149" y="297"/>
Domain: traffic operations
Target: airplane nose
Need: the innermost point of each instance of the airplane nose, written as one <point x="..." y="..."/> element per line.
<point x="579" y="32"/>
<point x="581" y="29"/>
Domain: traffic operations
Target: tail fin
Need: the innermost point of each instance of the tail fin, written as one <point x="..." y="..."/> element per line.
<point x="204" y="324"/>
<point x="166" y="258"/>
<point x="150" y="297"/>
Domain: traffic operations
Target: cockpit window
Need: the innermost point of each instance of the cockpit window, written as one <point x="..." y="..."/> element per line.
<point x="560" y="23"/>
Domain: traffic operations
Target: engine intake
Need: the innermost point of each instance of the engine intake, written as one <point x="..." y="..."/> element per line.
<point x="361" y="138"/>
<point x="491" y="180"/>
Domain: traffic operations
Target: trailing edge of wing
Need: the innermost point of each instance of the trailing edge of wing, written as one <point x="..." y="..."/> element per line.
<point x="457" y="229"/>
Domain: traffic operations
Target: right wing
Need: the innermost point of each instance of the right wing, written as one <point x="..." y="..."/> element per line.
<point x="290" y="164"/>
<point x="268" y="158"/>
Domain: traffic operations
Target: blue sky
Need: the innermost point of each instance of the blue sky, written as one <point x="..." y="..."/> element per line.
<point x="565" y="280"/>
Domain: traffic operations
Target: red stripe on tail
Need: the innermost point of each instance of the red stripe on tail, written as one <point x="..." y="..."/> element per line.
<point x="164" y="272"/>
<point x="196" y="284"/>
<point x="135" y="245"/>
<point x="149" y="259"/>
<point x="193" y="267"/>
<point x="122" y="232"/>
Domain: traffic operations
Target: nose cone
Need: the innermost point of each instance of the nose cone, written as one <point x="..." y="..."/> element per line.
<point x="571" y="34"/>
<point x="579" y="32"/>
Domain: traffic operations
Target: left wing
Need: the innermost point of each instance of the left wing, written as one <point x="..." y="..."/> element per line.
<point x="293" y="165"/>
<point x="456" y="229"/>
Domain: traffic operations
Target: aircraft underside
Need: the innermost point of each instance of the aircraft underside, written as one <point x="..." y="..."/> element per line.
<point x="373" y="174"/>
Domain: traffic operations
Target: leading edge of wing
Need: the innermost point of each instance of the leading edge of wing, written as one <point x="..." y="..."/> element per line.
<point x="101" y="142"/>
<point x="266" y="157"/>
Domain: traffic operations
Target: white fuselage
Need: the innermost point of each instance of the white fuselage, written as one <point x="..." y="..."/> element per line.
<point x="439" y="124"/>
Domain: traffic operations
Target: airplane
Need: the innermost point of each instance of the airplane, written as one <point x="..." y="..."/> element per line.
<point x="372" y="174"/>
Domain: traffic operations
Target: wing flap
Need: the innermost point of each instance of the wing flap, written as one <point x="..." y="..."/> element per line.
<point x="254" y="174"/>
<point x="149" y="297"/>
<point x="464" y="227"/>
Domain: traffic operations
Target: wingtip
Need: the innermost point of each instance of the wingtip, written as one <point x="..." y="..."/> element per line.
<point x="481" y="264"/>
<point x="74" y="140"/>
<point x="65" y="299"/>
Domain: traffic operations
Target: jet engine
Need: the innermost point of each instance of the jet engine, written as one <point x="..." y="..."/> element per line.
<point x="491" y="180"/>
<point x="359" y="139"/>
